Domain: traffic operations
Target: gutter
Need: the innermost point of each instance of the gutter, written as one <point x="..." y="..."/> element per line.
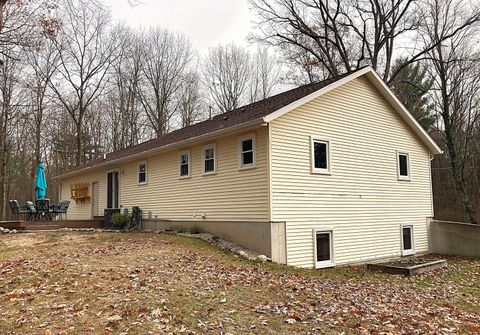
<point x="167" y="147"/>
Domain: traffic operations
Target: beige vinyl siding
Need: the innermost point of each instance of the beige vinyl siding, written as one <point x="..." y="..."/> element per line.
<point x="230" y="194"/>
<point x="84" y="211"/>
<point x="362" y="199"/>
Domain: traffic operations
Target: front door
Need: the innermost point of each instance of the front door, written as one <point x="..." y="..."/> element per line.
<point x="95" y="192"/>
<point x="112" y="189"/>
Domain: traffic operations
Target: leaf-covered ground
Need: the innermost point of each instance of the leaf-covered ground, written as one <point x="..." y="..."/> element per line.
<point x="107" y="283"/>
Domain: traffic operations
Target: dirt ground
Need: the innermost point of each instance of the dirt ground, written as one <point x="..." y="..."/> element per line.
<point x="143" y="283"/>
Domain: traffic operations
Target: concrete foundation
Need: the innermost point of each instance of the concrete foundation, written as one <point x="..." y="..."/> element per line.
<point x="454" y="238"/>
<point x="267" y="238"/>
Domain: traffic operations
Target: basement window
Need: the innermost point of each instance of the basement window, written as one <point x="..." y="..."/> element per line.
<point x="184" y="160"/>
<point x="320" y="156"/>
<point x="323" y="248"/>
<point x="407" y="240"/>
<point x="142" y="173"/>
<point x="403" y="162"/>
<point x="246" y="148"/>
<point x="209" y="159"/>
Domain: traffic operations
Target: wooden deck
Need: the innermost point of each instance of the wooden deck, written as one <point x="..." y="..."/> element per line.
<point x="52" y="225"/>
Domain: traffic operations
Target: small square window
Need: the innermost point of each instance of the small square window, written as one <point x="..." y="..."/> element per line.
<point x="142" y="173"/>
<point x="247" y="151"/>
<point x="184" y="160"/>
<point x="403" y="166"/>
<point x="209" y="159"/>
<point x="320" y="156"/>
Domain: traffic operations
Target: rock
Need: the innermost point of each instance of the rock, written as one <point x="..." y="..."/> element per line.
<point x="14" y="231"/>
<point x="242" y="253"/>
<point x="262" y="258"/>
<point x="5" y="231"/>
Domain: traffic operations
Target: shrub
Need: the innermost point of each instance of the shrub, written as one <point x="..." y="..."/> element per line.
<point x="195" y="230"/>
<point x="121" y="220"/>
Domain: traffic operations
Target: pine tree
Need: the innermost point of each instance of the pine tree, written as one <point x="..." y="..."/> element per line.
<point x="411" y="86"/>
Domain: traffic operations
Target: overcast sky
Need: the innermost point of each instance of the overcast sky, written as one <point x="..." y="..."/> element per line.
<point x="206" y="22"/>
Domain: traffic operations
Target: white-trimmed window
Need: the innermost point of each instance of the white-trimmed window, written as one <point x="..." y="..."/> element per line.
<point x="408" y="247"/>
<point x="323" y="248"/>
<point x="142" y="173"/>
<point x="209" y="159"/>
<point x="403" y="165"/>
<point x="184" y="158"/>
<point x="246" y="151"/>
<point x="320" y="155"/>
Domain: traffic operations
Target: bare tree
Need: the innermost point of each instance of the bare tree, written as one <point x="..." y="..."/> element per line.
<point x="342" y="36"/>
<point x="226" y="71"/>
<point x="165" y="61"/>
<point x="12" y="100"/>
<point x="455" y="67"/>
<point x="265" y="75"/>
<point x="86" y="47"/>
<point x="121" y="102"/>
<point x="191" y="99"/>
<point x="42" y="62"/>
<point x="22" y="23"/>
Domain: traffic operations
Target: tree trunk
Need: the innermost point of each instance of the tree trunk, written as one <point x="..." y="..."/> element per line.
<point x="78" y="156"/>
<point x="459" y="179"/>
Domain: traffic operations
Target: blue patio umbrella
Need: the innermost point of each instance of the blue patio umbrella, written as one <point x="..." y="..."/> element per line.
<point x="41" y="182"/>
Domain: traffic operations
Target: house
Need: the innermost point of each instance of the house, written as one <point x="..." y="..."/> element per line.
<point x="329" y="173"/>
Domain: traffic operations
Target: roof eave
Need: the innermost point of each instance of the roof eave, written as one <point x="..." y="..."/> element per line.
<point x="172" y="146"/>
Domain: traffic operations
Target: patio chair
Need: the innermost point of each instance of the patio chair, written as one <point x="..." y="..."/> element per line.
<point x="61" y="209"/>
<point x="17" y="210"/>
<point x="136" y="220"/>
<point x="31" y="211"/>
<point x="43" y="209"/>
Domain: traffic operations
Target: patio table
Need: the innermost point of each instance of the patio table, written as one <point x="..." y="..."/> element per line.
<point x="43" y="209"/>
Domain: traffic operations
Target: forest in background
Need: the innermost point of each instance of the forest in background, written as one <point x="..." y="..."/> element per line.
<point x="75" y="84"/>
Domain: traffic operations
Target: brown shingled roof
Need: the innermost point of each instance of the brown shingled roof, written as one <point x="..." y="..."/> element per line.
<point x="241" y="115"/>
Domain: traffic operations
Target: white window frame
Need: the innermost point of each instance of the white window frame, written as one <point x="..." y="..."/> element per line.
<point x="328" y="263"/>
<point x="251" y="136"/>
<point x="403" y="153"/>
<point x="205" y="148"/>
<point x="319" y="139"/>
<point x="408" y="252"/>
<point x="189" y="155"/>
<point x="146" y="172"/>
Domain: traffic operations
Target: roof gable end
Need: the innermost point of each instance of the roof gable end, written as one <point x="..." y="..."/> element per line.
<point x="384" y="90"/>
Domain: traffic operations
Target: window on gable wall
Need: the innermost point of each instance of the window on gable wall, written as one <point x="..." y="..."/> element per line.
<point x="320" y="156"/>
<point x="403" y="165"/>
